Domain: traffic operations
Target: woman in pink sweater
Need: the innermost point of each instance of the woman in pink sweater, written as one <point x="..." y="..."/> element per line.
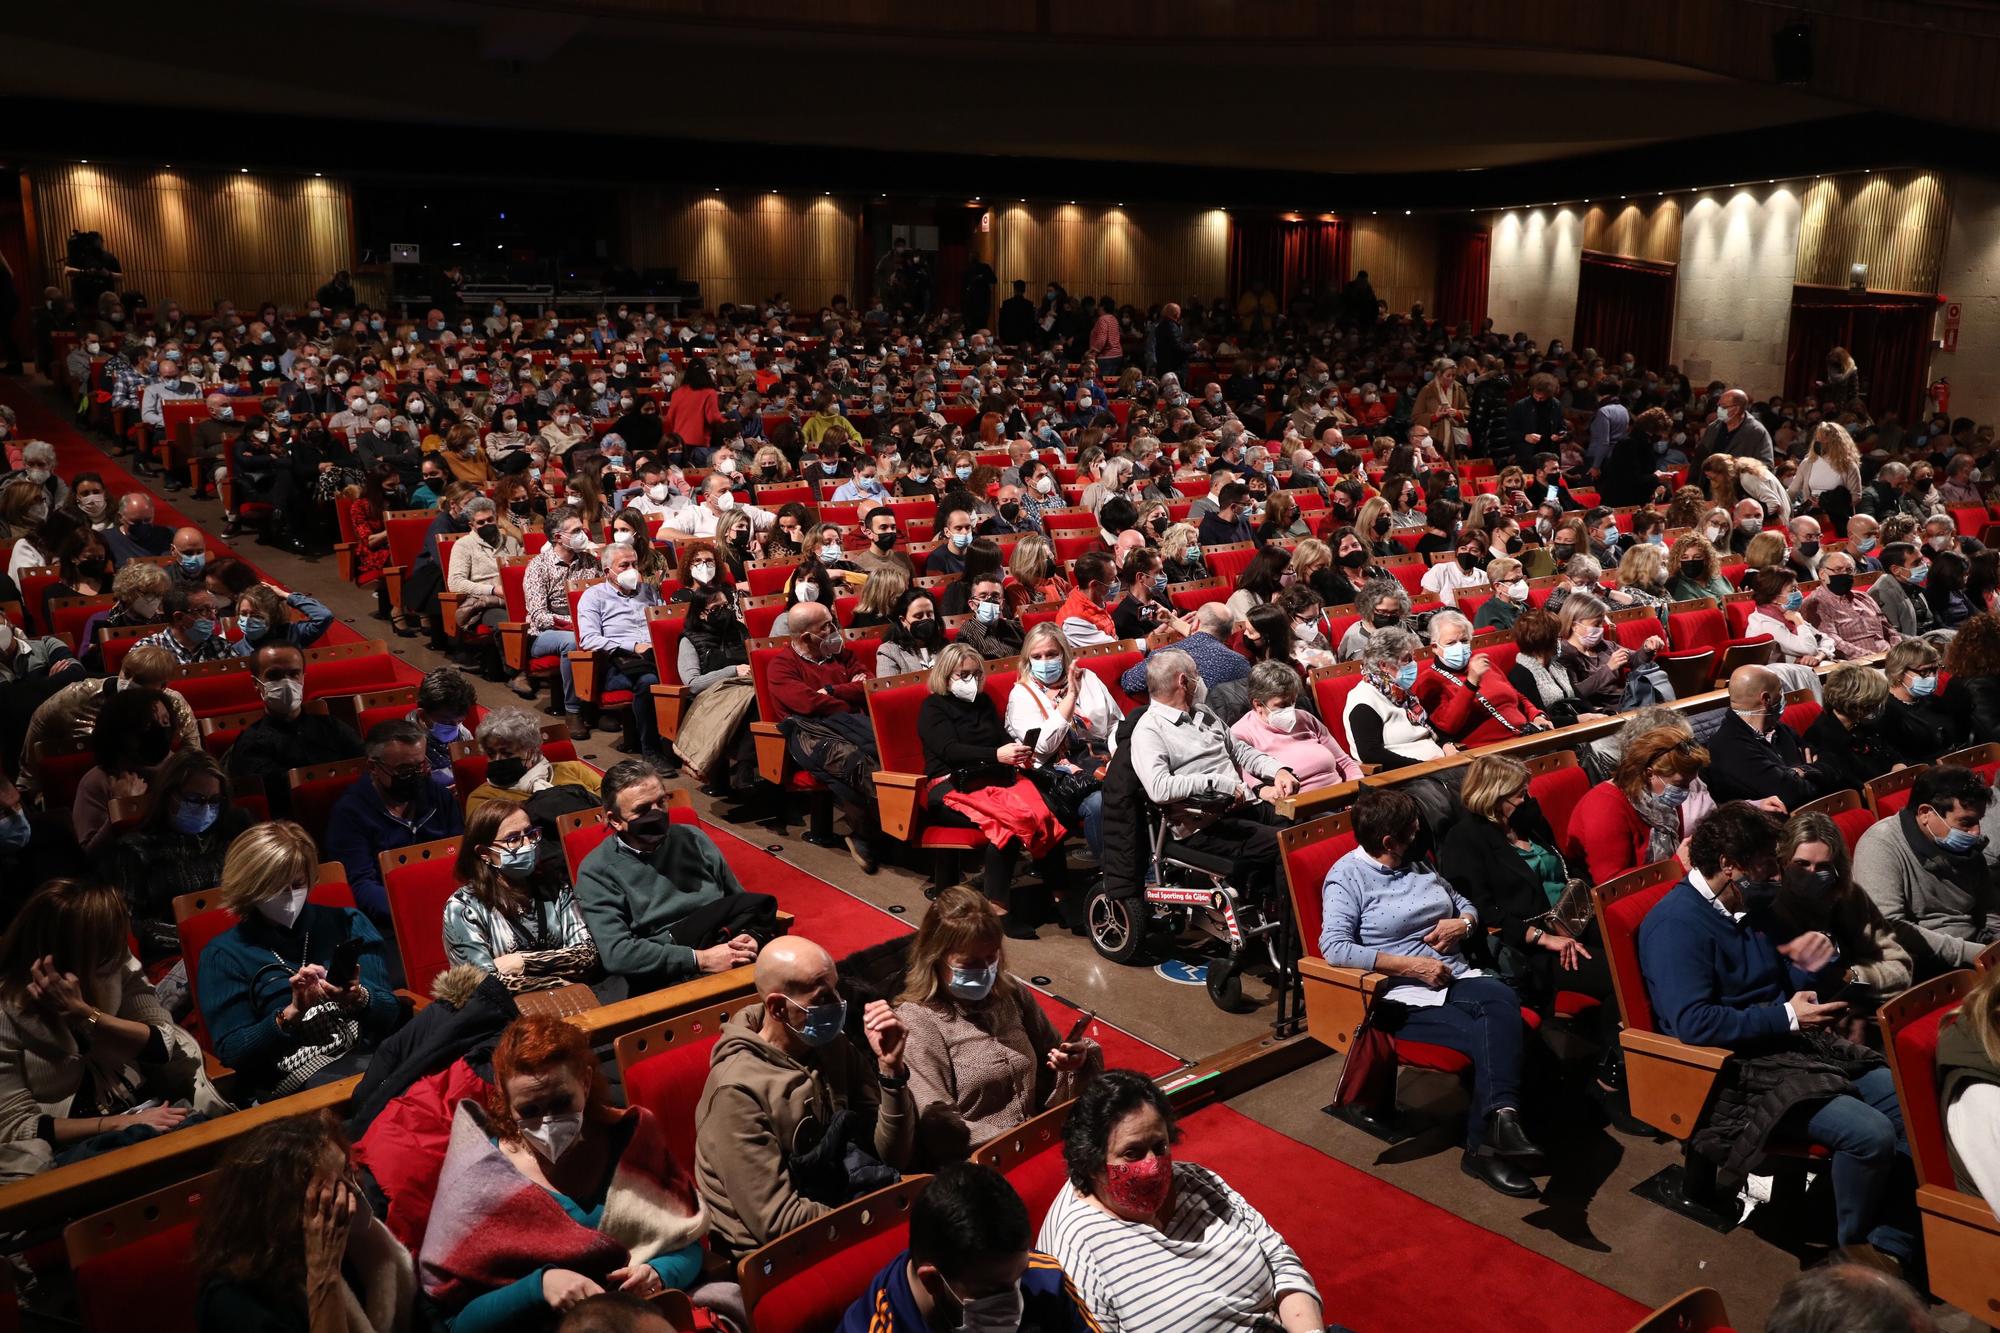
<point x="1296" y="739"/>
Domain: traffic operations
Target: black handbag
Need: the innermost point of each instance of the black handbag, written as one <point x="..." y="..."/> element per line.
<point x="1064" y="790"/>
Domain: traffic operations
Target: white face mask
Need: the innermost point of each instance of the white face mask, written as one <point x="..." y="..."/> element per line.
<point x="701" y="573"/>
<point x="285" y="908"/>
<point x="553" y="1135"/>
<point x="283" y="696"/>
<point x="627" y="578"/>
<point x="1282" y="719"/>
<point x="1517" y="591"/>
<point x="966" y="688"/>
<point x="657" y="493"/>
<point x="724" y="502"/>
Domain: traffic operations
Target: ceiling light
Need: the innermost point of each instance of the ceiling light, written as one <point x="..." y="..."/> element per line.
<point x="1406" y="212"/>
<point x="316" y="173"/>
<point x="83" y="161"/>
<point x="243" y="171"/>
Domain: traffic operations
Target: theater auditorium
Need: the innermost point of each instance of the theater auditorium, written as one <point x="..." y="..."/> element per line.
<point x="1176" y="667"/>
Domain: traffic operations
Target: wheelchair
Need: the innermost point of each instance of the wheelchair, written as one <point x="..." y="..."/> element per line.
<point x="1190" y="893"/>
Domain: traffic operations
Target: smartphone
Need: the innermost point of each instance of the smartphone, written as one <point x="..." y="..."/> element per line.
<point x="1083" y="1020"/>
<point x="346" y="964"/>
<point x="1859" y="998"/>
<point x="1033" y="738"/>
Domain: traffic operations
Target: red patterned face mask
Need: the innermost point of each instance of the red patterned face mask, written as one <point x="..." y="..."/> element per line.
<point x="1139" y="1188"/>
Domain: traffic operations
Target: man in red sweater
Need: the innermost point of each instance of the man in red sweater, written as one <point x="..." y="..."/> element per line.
<point x="817" y="689"/>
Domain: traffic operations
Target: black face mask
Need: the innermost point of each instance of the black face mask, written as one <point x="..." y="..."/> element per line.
<point x="1562" y="551"/>
<point x="1381" y="527"/>
<point x="405" y="787"/>
<point x="646" y="830"/>
<point x="929" y="633"/>
<point x="491" y="534"/>
<point x="1840" y="584"/>
<point x="1010" y="511"/>
<point x="722" y="623"/>
<point x="1513" y="546"/>
<point x="1466" y="562"/>
<point x="886" y="541"/>
<point x="506" y="772"/>
<point x="1354" y="559"/>
<point x="154" y="744"/>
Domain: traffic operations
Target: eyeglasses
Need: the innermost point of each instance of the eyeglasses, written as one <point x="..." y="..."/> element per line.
<point x="514" y="842"/>
<point x="417" y="770"/>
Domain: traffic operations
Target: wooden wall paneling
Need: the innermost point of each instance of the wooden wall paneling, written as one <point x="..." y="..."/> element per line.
<point x="1138" y="256"/>
<point x="1895" y="222"/>
<point x="1401" y="256"/>
<point x="1650" y="229"/>
<point x="744" y="247"/>
<point x="196" y="237"/>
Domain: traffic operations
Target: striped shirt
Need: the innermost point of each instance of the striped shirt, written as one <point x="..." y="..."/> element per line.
<point x="1216" y="1265"/>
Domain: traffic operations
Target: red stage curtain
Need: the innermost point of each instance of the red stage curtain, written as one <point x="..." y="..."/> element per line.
<point x="1888" y="336"/>
<point x="1463" y="253"/>
<point x="1625" y="305"/>
<point x="1286" y="256"/>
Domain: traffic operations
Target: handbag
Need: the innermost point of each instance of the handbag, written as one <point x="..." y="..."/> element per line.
<point x="1368" y="1073"/>
<point x="1065" y="790"/>
<point x="1572" y="914"/>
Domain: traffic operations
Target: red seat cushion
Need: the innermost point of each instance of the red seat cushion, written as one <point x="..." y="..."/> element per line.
<point x="1423" y="1055"/>
<point x="1306" y="868"/>
<point x="154" y="1273"/>
<point x="1038" y="1179"/>
<point x="417" y="894"/>
<point x="1569" y="1003"/>
<point x="1557" y="793"/>
<point x="818" y="1297"/>
<point x="1916" y="1053"/>
<point x="1698" y="629"/>
<point x="669" y="1085"/>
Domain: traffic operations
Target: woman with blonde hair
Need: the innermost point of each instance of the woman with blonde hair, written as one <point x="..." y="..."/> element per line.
<point x="1842" y="387"/>
<point x="1033" y="574"/>
<point x="1594" y="657"/>
<point x="1695" y="570"/>
<point x="1180" y="554"/>
<point x="1732" y="479"/>
<point x="876" y="604"/>
<point x="1642" y="573"/>
<point x="281" y="1007"/>
<point x="1767" y="550"/>
<point x="977" y="773"/>
<point x="1968" y="1066"/>
<point x="1829" y="480"/>
<point x="982" y="1054"/>
<point x="86" y="1047"/>
<point x="1633" y="818"/>
<point x="24" y="505"/>
<point x="1373" y="524"/>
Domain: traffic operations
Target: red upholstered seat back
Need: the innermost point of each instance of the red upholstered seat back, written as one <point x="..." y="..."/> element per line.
<point x="1557" y="792"/>
<point x="224" y="691"/>
<point x="1971" y="520"/>
<point x="1305" y="869"/>
<point x="768" y="576"/>
<point x="1634" y="632"/>
<point x="1738" y="610"/>
<point x="314" y="799"/>
<point x="1200" y="593"/>
<point x="1331" y="686"/>
<point x="418" y="891"/>
<point x="759" y="614"/>
<point x="1923" y="1124"/>
<point x="1852" y="824"/>
<point x="153" y="1273"/>
<point x="1107" y="667"/>
<point x="1705" y="628"/>
<point x="815" y="1299"/>
<point x="1621" y="930"/>
<point x="1409" y="573"/>
<point x="1801" y="715"/>
<point x="760" y="677"/>
<point x="513" y="577"/>
<point x="1037" y="1179"/>
<point x="581" y="842"/>
<point x="406" y="537"/>
<point x="1501" y="655"/>
<point x="669" y="1085"/>
<point x="348" y="675"/>
<point x="68" y="616"/>
<point x="61" y="775"/>
<point x="1227" y="562"/>
<point x="666" y="632"/>
<point x="895" y="712"/>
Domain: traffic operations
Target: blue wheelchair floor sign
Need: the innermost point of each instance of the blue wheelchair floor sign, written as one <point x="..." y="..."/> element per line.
<point x="1183" y="973"/>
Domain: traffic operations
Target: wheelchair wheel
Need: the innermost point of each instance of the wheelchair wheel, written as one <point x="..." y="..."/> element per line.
<point x="1117" y="925"/>
<point x="1225" y="984"/>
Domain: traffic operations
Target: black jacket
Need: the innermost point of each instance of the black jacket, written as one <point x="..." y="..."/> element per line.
<point x="1628" y="477"/>
<point x="1017" y="321"/>
<point x="1920" y="731"/>
<point x="1850" y="758"/>
<point x="1480" y="863"/>
<point x="1974" y="701"/>
<point x="1126" y="851"/>
<point x="960" y="738"/>
<point x="1528" y="417"/>
<point x="1744" y="766"/>
<point x="439" y="1034"/>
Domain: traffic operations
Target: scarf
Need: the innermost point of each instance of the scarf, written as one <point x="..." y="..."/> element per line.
<point x="1663" y="825"/>
<point x="1412" y="707"/>
<point x="490" y="1225"/>
<point x="386" y="1276"/>
<point x="1552" y="680"/>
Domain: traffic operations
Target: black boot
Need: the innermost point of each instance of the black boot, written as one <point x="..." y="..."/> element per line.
<point x="1498" y="1174"/>
<point x="1507" y="1138"/>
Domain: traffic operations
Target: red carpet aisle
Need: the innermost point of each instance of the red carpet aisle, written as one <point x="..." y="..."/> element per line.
<point x="1386" y="1261"/>
<point x="75" y="452"/>
<point x="842" y="923"/>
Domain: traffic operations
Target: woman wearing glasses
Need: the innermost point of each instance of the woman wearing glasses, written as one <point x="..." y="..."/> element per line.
<point x="514" y="914"/>
<point x="177" y="847"/>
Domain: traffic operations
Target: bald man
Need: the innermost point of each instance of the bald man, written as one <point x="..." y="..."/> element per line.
<point x="1753" y="755"/>
<point x="783" y="1071"/>
<point x="1735" y="431"/>
<point x="190" y="553"/>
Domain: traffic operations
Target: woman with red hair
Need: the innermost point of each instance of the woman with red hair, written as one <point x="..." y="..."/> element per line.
<point x="549" y="1194"/>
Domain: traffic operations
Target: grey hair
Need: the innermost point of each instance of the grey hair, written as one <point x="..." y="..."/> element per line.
<point x="1847" y="1298"/>
<point x="396" y="731"/>
<point x="38" y="451"/>
<point x="1651" y="719"/>
<point x="1215" y="618"/>
<point x="1273" y="680"/>
<point x="511" y="726"/>
<point x="1375" y="590"/>
<point x="1893" y="471"/>
<point x="1446" y="617"/>
<point x="480" y="504"/>
<point x="1583" y="569"/>
<point x="1163" y="669"/>
<point x="1385" y="647"/>
<point x="1580" y="606"/>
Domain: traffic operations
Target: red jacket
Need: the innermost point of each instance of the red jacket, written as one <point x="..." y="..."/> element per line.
<point x="796" y="685"/>
<point x="1458" y="716"/>
<point x="1606" y="836"/>
<point x="689" y="414"/>
<point x="404" y="1146"/>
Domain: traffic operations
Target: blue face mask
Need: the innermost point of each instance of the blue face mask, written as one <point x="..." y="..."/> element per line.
<point x="829" y="468"/>
<point x="517" y="862"/>
<point x="192" y="564"/>
<point x="960" y="540"/>
<point x="254" y="627"/>
<point x="962" y="473"/>
<point x="201" y="630"/>
<point x="1960" y="841"/>
<point x="1406" y="675"/>
<point x="194" y="819"/>
<point x="973" y="983"/>
<point x="1920" y="574"/>
<point x="1047" y="670"/>
<point x="1673" y="795"/>
<point x="1792" y="600"/>
<point x="1867" y="544"/>
<point x="1454" y="656"/>
<point x="1923" y="687"/>
<point x="823" y="1021"/>
<point x="988" y="612"/>
<point x="15" y="830"/>
<point x="444" y="733"/>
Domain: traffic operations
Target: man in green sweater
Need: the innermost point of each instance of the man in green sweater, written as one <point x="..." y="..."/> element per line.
<point x="661" y="903"/>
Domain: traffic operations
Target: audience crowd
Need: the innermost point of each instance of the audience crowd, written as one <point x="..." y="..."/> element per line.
<point x="1343" y="541"/>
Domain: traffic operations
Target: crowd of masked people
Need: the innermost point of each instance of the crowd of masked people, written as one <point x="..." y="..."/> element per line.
<point x="633" y="464"/>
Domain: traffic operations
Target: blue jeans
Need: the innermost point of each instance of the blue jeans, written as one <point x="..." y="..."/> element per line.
<point x="643" y="721"/>
<point x="1091" y="810"/>
<point x="558" y="642"/>
<point x="1874" y="1184"/>
<point x="1481" y="1019"/>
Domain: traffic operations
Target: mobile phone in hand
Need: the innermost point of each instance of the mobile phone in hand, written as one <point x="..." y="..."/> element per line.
<point x="1083" y="1021"/>
<point x="346" y="964"/>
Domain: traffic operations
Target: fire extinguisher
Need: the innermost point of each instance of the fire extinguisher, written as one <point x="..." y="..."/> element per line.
<point x="1940" y="393"/>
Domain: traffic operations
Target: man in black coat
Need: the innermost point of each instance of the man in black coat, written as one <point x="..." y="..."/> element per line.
<point x="1017" y="325"/>
<point x="1535" y="424"/>
<point x="1753" y="755"/>
<point x="1170" y="349"/>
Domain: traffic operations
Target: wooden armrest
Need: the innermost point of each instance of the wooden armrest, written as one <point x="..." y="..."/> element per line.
<point x="417" y="1002"/>
<point x="1954" y="1206"/>
<point x="608" y="1021"/>
<point x="1961" y="1249"/>
<point x="1308" y="805"/>
<point x="513" y="638"/>
<point x="392" y="576"/>
<point x="346" y="561"/>
<point x="670" y="705"/>
<point x="770" y="745"/>
<point x="448" y="613"/>
<point x="1670" y="1081"/>
<point x="1336" y="1000"/>
<point x="896" y="799"/>
<point x="586" y="673"/>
